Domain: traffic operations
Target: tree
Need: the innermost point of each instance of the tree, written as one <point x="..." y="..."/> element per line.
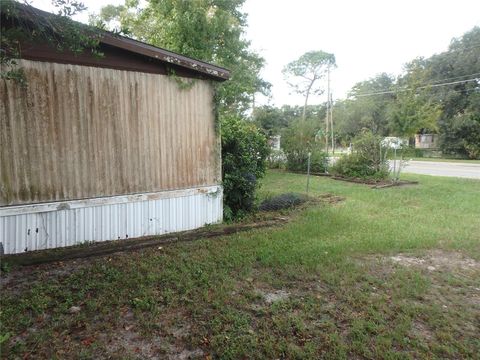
<point x="209" y="30"/>
<point x="460" y="101"/>
<point x="270" y="119"/>
<point x="370" y="110"/>
<point x="414" y="110"/>
<point x="307" y="70"/>
<point x="58" y="30"/>
<point x="274" y="120"/>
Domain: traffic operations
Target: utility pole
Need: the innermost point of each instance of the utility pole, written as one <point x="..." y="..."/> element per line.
<point x="331" y="123"/>
<point x="328" y="110"/>
<point x="253" y="106"/>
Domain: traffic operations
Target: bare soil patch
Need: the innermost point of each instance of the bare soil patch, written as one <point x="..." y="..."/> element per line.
<point x="274" y="296"/>
<point x="438" y="260"/>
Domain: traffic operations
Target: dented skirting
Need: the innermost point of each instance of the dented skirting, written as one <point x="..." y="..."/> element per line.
<point x="59" y="224"/>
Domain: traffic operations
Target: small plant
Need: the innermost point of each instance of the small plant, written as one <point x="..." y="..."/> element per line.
<point x="368" y="159"/>
<point x="276" y="160"/>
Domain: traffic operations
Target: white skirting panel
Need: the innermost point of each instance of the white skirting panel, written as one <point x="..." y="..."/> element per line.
<point x="53" y="225"/>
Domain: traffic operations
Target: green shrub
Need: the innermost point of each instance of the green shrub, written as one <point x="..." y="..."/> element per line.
<point x="411" y="152"/>
<point x="318" y="161"/>
<point x="244" y="151"/>
<point x="461" y="136"/>
<point x="299" y="140"/>
<point x="276" y="159"/>
<point x="298" y="161"/>
<point x="367" y="161"/>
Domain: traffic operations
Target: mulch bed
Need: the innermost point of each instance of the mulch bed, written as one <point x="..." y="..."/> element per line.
<point x="313" y="174"/>
<point x="376" y="184"/>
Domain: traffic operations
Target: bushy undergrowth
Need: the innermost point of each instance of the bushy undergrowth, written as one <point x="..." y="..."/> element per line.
<point x="298" y="141"/>
<point x="244" y="151"/>
<point x="368" y="159"/>
<point x="276" y="159"/>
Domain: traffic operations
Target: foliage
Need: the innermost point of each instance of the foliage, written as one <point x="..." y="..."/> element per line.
<point x="270" y="119"/>
<point x="368" y="159"/>
<point x="209" y="30"/>
<point x="274" y="120"/>
<point x="438" y="94"/>
<point x="299" y="140"/>
<point x="244" y="151"/>
<point x="360" y="111"/>
<point x="21" y="26"/>
<point x="464" y="136"/>
<point x="461" y="100"/>
<point x="318" y="161"/>
<point x="306" y="71"/>
<point x="276" y="159"/>
<point x="414" y="109"/>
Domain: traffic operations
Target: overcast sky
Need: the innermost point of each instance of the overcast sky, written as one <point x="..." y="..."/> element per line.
<point x="367" y="37"/>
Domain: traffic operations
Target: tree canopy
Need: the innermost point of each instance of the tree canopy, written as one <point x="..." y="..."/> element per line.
<point x="304" y="73"/>
<point x="209" y="30"/>
<point x="21" y="26"/>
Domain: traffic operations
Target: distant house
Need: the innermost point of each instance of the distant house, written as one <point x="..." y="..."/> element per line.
<point x="426" y="141"/>
<point x="97" y="149"/>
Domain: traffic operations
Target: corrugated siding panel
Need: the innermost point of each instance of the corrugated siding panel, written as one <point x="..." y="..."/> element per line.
<point x="79" y="132"/>
<point x="52" y="229"/>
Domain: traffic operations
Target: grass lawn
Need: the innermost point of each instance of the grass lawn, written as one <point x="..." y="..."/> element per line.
<point x="391" y="273"/>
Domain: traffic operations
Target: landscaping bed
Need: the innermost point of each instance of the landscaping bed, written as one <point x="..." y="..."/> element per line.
<point x="376" y="184"/>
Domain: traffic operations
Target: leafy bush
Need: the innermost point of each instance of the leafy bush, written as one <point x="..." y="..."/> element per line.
<point x="276" y="159"/>
<point x="300" y="139"/>
<point x="460" y="136"/>
<point x="318" y="161"/>
<point x="367" y="161"/>
<point x="409" y="152"/>
<point x="244" y="150"/>
<point x="471" y="141"/>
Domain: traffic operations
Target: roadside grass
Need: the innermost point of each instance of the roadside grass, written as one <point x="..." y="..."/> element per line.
<point x="465" y="161"/>
<point x="389" y="273"/>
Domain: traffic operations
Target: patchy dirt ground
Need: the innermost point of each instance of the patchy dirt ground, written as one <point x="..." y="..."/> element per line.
<point x="438" y="260"/>
<point x="430" y="298"/>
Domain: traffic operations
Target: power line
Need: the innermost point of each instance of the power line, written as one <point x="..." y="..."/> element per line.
<point x="452" y="78"/>
<point x="420" y="87"/>
<point x="387" y="91"/>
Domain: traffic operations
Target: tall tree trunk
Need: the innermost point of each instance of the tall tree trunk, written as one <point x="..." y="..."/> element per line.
<point x="306" y="100"/>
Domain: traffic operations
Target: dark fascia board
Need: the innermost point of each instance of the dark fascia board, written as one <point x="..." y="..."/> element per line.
<point x="138" y="47"/>
<point x="142" y="48"/>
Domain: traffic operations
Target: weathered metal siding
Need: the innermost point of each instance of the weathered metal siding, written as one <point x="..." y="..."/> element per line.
<point x="79" y="132"/>
<point x="33" y="228"/>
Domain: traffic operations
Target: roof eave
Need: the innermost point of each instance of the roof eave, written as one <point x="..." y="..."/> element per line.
<point x="125" y="43"/>
<point x="209" y="70"/>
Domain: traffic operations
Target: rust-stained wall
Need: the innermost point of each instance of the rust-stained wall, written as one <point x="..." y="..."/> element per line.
<point x="79" y="132"/>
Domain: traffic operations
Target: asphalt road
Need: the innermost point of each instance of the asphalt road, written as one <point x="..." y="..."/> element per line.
<point x="454" y="169"/>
